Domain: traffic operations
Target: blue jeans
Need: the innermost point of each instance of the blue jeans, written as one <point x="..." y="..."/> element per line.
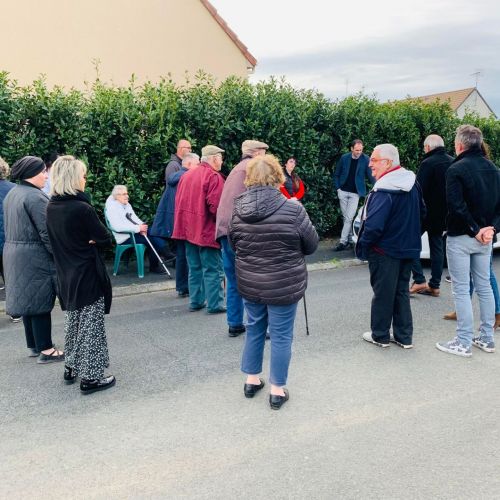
<point x="280" y="320"/>
<point x="494" y="286"/>
<point x="466" y="256"/>
<point x="181" y="267"/>
<point x="233" y="298"/>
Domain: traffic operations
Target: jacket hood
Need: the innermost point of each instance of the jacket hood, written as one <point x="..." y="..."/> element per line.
<point x="258" y="203"/>
<point x="397" y="180"/>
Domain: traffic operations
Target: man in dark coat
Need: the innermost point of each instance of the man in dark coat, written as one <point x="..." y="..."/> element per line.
<point x="349" y="180"/>
<point x="175" y="163"/>
<point x="431" y="177"/>
<point x="390" y="240"/>
<point x="473" y="200"/>
<point x="163" y="224"/>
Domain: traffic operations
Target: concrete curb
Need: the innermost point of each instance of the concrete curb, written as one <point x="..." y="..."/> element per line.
<point x="124" y="291"/>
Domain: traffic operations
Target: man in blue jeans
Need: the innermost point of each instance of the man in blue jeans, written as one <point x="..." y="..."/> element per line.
<point x="233" y="187"/>
<point x="473" y="199"/>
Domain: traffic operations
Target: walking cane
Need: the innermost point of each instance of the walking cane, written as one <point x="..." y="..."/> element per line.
<point x="129" y="217"/>
<point x="305" y="313"/>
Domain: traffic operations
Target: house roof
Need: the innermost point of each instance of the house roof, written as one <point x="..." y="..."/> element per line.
<point x="230" y="33"/>
<point x="455" y="97"/>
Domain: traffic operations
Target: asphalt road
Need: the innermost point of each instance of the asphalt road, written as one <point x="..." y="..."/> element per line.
<point x="362" y="422"/>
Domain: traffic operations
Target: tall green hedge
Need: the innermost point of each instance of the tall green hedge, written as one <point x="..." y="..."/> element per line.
<point x="128" y="134"/>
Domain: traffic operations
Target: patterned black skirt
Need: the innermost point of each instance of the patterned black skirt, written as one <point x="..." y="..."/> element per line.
<point x="86" y="348"/>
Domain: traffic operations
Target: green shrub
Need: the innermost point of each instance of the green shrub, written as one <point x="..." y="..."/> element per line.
<point x="128" y="134"/>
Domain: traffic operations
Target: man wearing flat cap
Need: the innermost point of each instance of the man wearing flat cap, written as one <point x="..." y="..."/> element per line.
<point x="233" y="187"/>
<point x="198" y="195"/>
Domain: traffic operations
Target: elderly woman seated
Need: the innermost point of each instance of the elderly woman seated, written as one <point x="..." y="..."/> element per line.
<point x="122" y="219"/>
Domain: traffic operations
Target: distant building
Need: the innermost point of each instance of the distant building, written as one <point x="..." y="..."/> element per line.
<point x="66" y="39"/>
<point x="462" y="101"/>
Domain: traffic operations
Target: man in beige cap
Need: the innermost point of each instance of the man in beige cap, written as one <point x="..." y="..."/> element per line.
<point x="233" y="187"/>
<point x="198" y="196"/>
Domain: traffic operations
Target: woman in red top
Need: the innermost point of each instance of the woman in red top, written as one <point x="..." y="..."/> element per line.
<point x="293" y="187"/>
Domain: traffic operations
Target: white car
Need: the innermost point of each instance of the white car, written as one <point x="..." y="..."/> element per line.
<point x="424" y="254"/>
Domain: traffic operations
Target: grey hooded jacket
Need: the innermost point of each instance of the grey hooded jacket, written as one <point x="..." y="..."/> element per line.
<point x="30" y="275"/>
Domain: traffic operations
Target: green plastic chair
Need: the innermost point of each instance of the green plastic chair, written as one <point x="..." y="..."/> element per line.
<point x="139" y="249"/>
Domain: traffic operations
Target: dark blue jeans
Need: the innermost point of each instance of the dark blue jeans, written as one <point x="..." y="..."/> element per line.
<point x="436" y="249"/>
<point x="280" y="320"/>
<point x="181" y="267"/>
<point x="233" y="298"/>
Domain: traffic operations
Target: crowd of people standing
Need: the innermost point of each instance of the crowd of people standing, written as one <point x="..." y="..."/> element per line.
<point x="239" y="245"/>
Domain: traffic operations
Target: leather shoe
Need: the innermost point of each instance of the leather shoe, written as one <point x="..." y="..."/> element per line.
<point x="417" y="287"/>
<point x="69" y="375"/>
<point x="276" y="401"/>
<point x="219" y="310"/>
<point x="33" y="353"/>
<point x="90" y="386"/>
<point x="184" y="293"/>
<point x="497" y="321"/>
<point x="432" y="292"/>
<point x="251" y="390"/>
<point x="451" y="316"/>
<point x="234" y="331"/>
<point x="341" y="247"/>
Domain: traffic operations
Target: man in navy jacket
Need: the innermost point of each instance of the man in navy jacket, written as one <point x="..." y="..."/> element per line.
<point x="349" y="180"/>
<point x="389" y="239"/>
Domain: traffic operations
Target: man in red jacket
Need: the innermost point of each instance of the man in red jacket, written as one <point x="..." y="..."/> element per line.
<point x="198" y="196"/>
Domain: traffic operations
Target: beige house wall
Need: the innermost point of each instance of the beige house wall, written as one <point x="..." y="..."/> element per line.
<point x="150" y="38"/>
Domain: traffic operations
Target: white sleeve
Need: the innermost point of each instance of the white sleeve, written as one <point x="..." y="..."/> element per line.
<point x="117" y="220"/>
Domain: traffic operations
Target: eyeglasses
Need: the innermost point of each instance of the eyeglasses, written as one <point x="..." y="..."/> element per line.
<point x="122" y="194"/>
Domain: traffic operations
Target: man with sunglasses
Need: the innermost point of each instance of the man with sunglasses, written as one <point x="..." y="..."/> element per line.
<point x="389" y="239"/>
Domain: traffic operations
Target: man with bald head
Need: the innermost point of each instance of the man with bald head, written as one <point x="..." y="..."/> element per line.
<point x="432" y="179"/>
<point x="175" y="163"/>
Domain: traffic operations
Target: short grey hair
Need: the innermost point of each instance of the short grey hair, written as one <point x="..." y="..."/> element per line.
<point x="469" y="136"/>
<point x="4" y="169"/>
<point x="390" y="152"/>
<point x="189" y="157"/>
<point x="66" y="175"/>
<point x="118" y="190"/>
<point x="207" y="158"/>
<point x="434" y="141"/>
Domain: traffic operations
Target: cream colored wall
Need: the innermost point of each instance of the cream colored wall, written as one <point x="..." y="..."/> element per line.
<point x="474" y="103"/>
<point x="150" y="38"/>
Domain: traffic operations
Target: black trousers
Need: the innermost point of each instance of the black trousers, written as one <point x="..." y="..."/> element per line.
<point x="436" y="249"/>
<point x="390" y="281"/>
<point x="38" y="331"/>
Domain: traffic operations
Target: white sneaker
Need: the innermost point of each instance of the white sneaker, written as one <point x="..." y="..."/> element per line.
<point x="368" y="337"/>
<point x="455" y="347"/>
<point x="404" y="346"/>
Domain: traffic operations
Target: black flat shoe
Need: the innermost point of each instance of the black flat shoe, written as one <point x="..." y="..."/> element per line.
<point x="277" y="402"/>
<point x="219" y="310"/>
<point x="251" y="389"/>
<point x="234" y="331"/>
<point x="33" y="353"/>
<point x="197" y="307"/>
<point x="90" y="386"/>
<point x="185" y="293"/>
<point x="69" y="375"/>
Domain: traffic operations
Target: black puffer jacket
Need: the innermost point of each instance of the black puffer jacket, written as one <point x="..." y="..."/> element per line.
<point x="270" y="236"/>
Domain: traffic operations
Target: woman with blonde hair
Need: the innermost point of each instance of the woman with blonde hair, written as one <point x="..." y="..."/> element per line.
<point x="76" y="235"/>
<point x="270" y="235"/>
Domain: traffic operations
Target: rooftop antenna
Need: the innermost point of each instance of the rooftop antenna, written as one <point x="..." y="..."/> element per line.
<point x="478" y="73"/>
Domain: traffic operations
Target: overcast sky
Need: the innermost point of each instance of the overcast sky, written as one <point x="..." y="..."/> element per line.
<point x="388" y="48"/>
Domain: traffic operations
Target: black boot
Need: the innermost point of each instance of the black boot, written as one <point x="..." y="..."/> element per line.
<point x="90" y="386"/>
<point x="69" y="375"/>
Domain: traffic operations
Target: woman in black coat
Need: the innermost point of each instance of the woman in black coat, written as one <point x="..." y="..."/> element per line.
<point x="30" y="277"/>
<point x="270" y="236"/>
<point x="76" y="234"/>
